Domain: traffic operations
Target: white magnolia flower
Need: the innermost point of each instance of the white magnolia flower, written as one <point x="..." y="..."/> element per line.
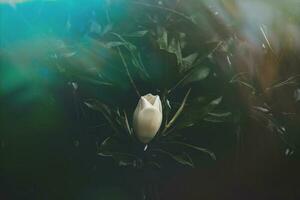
<point x="147" y="117"/>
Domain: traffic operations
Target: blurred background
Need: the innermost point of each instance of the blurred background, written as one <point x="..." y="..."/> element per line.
<point x="49" y="138"/>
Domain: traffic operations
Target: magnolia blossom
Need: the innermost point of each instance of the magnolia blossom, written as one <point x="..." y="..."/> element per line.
<point x="147" y="117"/>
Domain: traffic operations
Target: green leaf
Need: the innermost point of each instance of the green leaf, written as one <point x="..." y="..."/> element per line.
<point x="98" y="106"/>
<point x="182" y="159"/>
<point x="198" y="75"/>
<point x="175" y="47"/>
<point x="248" y="85"/>
<point x="171" y="45"/>
<point x="135" y="56"/>
<point x="115" y="148"/>
<point x="120" y="151"/>
<point x="126" y="122"/>
<point x="178" y="112"/>
<point x="188" y="61"/>
<point x="154" y="164"/>
<point x="291" y="81"/>
<point x="94" y="81"/>
<point x="190" y="146"/>
<point x="113" y="44"/>
<point x="195" y="112"/>
<point x="272" y="124"/>
<point x="241" y="79"/>
<point x="197" y="72"/>
<point x="105" y="110"/>
<point x="162" y="37"/>
<point x="219" y="117"/>
<point x="126" y="43"/>
<point x="136" y="34"/>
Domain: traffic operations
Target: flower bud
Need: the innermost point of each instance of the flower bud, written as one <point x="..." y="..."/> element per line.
<point x="147" y="117"/>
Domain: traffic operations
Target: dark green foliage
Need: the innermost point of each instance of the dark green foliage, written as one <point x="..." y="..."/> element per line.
<point x="171" y="53"/>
